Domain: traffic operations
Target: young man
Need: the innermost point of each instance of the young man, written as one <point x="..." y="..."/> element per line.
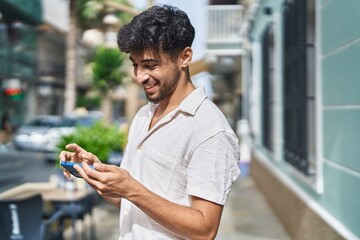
<point x="182" y="156"/>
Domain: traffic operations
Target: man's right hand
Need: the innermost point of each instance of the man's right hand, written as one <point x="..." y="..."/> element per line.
<point x="77" y="154"/>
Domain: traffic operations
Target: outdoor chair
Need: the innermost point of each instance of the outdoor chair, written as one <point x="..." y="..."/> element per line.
<point x="23" y="219"/>
<point x="78" y="211"/>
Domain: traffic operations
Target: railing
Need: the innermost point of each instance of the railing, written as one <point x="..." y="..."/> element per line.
<point x="224" y="23"/>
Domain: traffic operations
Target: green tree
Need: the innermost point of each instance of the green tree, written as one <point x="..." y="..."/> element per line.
<point x="86" y="14"/>
<point x="107" y="75"/>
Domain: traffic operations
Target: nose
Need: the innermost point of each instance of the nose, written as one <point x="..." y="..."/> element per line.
<point x="141" y="75"/>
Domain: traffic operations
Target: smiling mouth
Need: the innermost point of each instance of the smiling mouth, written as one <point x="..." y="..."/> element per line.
<point x="150" y="85"/>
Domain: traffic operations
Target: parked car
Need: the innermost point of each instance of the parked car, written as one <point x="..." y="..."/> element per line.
<point x="38" y="134"/>
<point x="43" y="133"/>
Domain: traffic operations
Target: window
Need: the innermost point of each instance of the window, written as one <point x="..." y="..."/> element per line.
<point x="299" y="81"/>
<point x="267" y="87"/>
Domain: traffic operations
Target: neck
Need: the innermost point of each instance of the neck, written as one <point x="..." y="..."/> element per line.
<point x="182" y="90"/>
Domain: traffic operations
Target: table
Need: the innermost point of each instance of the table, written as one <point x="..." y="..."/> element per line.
<point x="67" y="202"/>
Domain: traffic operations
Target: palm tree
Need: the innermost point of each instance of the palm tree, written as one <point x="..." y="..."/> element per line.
<point x="107" y="75"/>
<point x="84" y="14"/>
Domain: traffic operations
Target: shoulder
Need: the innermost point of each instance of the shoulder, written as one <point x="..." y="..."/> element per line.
<point x="212" y="117"/>
<point x="210" y="123"/>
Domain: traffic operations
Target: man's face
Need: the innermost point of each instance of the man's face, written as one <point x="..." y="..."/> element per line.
<point x="158" y="73"/>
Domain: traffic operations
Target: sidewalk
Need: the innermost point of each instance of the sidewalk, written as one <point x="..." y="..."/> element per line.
<point x="246" y="216"/>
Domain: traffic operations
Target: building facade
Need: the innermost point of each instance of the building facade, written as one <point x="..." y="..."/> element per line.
<point x="33" y="57"/>
<point x="18" y="43"/>
<point x="302" y="79"/>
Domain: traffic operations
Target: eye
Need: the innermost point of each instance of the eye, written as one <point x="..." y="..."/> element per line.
<point x="151" y="66"/>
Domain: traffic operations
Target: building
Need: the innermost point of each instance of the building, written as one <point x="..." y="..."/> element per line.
<point x="18" y="43"/>
<point x="51" y="58"/>
<point x="301" y="76"/>
<point x="33" y="57"/>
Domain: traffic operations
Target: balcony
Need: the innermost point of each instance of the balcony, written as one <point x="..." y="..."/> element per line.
<point x="224" y="23"/>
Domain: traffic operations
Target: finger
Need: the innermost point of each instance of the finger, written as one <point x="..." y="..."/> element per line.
<point x="65" y="156"/>
<point x="66" y="174"/>
<point x="93" y="173"/>
<point x="89" y="158"/>
<point x="87" y="169"/>
<point x="86" y="172"/>
<point x="83" y="171"/>
<point x="101" y="167"/>
<point x="76" y="148"/>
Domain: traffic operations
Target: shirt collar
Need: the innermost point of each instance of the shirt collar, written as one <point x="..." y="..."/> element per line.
<point x="193" y="101"/>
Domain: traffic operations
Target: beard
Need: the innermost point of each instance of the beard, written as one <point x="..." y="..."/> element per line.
<point x="165" y="88"/>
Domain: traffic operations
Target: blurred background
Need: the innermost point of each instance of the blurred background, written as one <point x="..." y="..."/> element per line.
<point x="285" y="73"/>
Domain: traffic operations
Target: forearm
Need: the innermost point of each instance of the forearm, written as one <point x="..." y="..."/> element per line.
<point x="196" y="222"/>
<point x="115" y="201"/>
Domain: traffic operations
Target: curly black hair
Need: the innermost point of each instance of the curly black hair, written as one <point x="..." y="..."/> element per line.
<point x="159" y="28"/>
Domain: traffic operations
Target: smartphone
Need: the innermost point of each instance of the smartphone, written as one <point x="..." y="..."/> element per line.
<point x="69" y="166"/>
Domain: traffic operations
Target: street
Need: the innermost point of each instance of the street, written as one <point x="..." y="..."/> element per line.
<point x="17" y="167"/>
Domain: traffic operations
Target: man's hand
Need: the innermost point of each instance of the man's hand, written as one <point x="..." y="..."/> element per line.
<point x="110" y="181"/>
<point x="107" y="180"/>
<point x="77" y="154"/>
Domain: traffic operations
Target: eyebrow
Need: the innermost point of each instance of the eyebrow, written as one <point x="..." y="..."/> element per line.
<point x="146" y="60"/>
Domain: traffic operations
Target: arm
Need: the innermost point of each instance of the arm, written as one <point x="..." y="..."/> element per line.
<point x="200" y="221"/>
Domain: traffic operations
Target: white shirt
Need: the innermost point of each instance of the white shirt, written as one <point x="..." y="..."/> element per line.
<point x="192" y="151"/>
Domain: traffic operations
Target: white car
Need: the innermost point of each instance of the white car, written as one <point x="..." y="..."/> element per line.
<point x="39" y="134"/>
<point x="43" y="133"/>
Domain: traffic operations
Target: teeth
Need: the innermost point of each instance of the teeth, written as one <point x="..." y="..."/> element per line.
<point x="148" y="86"/>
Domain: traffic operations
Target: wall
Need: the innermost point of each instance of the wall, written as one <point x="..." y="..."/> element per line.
<point x="338" y="87"/>
<point x="340" y="66"/>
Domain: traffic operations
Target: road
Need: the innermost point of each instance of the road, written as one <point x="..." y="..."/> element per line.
<point x="17" y="167"/>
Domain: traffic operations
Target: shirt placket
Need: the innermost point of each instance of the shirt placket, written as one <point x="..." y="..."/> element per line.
<point x="165" y="120"/>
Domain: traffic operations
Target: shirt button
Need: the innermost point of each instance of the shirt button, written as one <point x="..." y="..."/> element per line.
<point x="127" y="210"/>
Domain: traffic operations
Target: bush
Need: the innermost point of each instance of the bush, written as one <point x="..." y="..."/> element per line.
<point x="98" y="139"/>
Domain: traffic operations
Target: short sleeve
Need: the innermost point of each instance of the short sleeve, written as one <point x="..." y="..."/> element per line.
<point x="213" y="167"/>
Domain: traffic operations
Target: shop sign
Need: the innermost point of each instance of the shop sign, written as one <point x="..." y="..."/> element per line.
<point x="12" y="88"/>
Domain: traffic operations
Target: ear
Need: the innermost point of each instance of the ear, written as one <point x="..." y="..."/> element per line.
<point x="186" y="57"/>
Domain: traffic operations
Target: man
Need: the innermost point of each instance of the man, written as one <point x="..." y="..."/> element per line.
<point x="182" y="156"/>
